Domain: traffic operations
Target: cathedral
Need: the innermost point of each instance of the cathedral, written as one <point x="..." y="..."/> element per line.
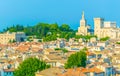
<point x="84" y="28"/>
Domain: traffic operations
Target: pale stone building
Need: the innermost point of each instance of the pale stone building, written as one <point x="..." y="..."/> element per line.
<point x="7" y="37"/>
<point x="106" y="29"/>
<point x="84" y="28"/>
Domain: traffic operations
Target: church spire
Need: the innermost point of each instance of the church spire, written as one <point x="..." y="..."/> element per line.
<point x="83" y="21"/>
<point x="83" y="17"/>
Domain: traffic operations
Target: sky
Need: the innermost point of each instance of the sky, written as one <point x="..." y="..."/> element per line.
<point x="31" y="12"/>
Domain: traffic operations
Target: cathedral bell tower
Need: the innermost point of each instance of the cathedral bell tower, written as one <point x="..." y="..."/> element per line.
<point x="83" y="21"/>
<point x="83" y="28"/>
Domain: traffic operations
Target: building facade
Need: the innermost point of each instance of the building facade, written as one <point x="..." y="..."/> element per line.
<point x="6" y="72"/>
<point x="101" y="28"/>
<point x="15" y="36"/>
<point x="106" y="29"/>
<point x="84" y="28"/>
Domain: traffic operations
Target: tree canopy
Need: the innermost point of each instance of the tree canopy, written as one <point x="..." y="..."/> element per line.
<point x="65" y="27"/>
<point x="48" y="32"/>
<point x="62" y="49"/>
<point x="76" y="60"/>
<point x="104" y="39"/>
<point x="45" y="31"/>
<point x="117" y="42"/>
<point x="29" y="66"/>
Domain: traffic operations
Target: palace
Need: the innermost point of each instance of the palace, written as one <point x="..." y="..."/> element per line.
<point x="106" y="29"/>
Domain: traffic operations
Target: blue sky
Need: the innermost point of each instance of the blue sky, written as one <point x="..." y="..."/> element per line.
<point x="30" y="12"/>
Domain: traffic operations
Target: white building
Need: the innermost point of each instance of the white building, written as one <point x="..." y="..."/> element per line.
<point x="110" y="24"/>
<point x="84" y="28"/>
<point x="15" y="36"/>
<point x="106" y="29"/>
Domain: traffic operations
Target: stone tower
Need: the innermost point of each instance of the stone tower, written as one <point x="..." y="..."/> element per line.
<point x="83" y="21"/>
<point x="98" y="25"/>
<point x="83" y="29"/>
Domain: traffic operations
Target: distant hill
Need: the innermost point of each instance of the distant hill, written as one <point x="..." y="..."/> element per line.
<point x="44" y="30"/>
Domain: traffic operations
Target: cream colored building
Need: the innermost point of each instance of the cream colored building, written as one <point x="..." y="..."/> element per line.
<point x="83" y="29"/>
<point x="106" y="29"/>
<point x="7" y="37"/>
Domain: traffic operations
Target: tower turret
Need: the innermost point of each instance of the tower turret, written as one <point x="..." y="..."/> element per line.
<point x="83" y="21"/>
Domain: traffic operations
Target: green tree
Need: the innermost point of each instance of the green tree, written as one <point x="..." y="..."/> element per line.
<point x="29" y="66"/>
<point x="117" y="42"/>
<point x="10" y="41"/>
<point x="78" y="36"/>
<point x="104" y="39"/>
<point x="45" y="31"/>
<point x="76" y="60"/>
<point x="64" y="27"/>
<point x="64" y="50"/>
<point x="13" y="41"/>
<point x="54" y="26"/>
<point x="85" y="49"/>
